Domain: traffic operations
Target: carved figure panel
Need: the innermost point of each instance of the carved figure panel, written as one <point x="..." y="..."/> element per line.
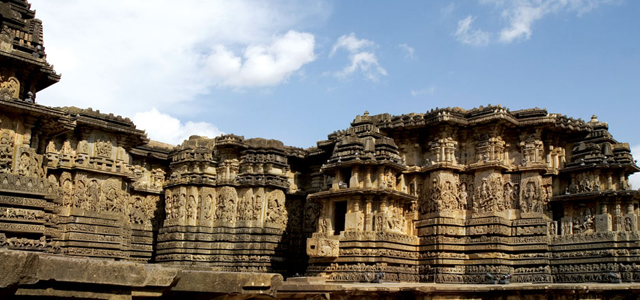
<point x="66" y="183"/>
<point x="207" y="203"/>
<point x="583" y="220"/>
<point x="6" y="151"/>
<point x="584" y="183"/>
<point x="444" y="194"/>
<point x="104" y="148"/>
<point x="323" y="247"/>
<point x="311" y="214"/>
<point x="276" y="212"/>
<point x="226" y="205"/>
<point x="112" y="195"/>
<point x="489" y="196"/>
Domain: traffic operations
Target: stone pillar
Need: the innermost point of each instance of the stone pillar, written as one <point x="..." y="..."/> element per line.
<point x="354" y="218"/>
<point x="367" y="178"/>
<point x="383" y="204"/>
<point x="354" y="181"/>
<point x="368" y="220"/>
<point x="336" y="181"/>
<point x="618" y="224"/>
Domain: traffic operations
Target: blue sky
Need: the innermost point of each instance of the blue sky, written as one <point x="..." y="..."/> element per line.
<point x="297" y="71"/>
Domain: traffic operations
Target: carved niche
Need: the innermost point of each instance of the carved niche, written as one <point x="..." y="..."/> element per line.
<point x="532" y="196"/>
<point x="207" y="197"/>
<point x="490" y="149"/>
<point x="532" y="148"/>
<point x="443" y="149"/>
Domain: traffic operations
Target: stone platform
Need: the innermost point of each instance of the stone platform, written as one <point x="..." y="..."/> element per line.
<point x="394" y="290"/>
<point x="28" y="275"/>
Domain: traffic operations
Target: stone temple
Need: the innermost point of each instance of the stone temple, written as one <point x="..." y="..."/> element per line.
<point x="484" y="203"/>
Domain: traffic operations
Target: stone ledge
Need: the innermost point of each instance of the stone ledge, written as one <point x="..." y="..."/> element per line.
<point x="30" y="273"/>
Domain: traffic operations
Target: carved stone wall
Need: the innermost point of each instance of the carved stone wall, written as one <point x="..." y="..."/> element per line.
<point x="496" y="192"/>
<point x="226" y="205"/>
<point x="446" y="196"/>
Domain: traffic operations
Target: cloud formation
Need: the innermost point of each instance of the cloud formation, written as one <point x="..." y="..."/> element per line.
<point x="361" y="57"/>
<point x="468" y="36"/>
<point x="167" y="129"/>
<point x="262" y="65"/>
<point x="409" y="51"/>
<point x="522" y="14"/>
<point x="126" y="56"/>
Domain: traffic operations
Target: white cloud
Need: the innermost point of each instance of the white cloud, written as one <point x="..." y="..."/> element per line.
<point x="409" y="51"/>
<point x="364" y="61"/>
<point x="522" y="14"/>
<point x="466" y="35"/>
<point x="634" y="179"/>
<point x="167" y="129"/>
<point x="428" y="91"/>
<point x="262" y="65"/>
<point x="125" y="56"/>
<point x="351" y="43"/>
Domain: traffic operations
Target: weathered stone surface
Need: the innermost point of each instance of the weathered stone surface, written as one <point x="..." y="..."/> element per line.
<point x="24" y="268"/>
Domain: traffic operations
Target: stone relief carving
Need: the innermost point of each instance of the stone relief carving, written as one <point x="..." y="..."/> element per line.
<point x="192" y="207"/>
<point x="6" y="151"/>
<point x="444" y="194"/>
<point x="112" y="196"/>
<point x="276" y="212"/>
<point x="323" y="247"/>
<point x="532" y="196"/>
<point x="104" y="148"/>
<point x="80" y="195"/>
<point x="311" y="216"/>
<point x="488" y="196"/>
<point x="210" y="206"/>
<point x="532" y="149"/>
<point x="226" y="205"/>
<point x="490" y="149"/>
<point x="207" y="206"/>
<point x="9" y="88"/>
<point x="584" y="183"/>
<point x="443" y="150"/>
<point x="583" y="221"/>
<point x="66" y="183"/>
